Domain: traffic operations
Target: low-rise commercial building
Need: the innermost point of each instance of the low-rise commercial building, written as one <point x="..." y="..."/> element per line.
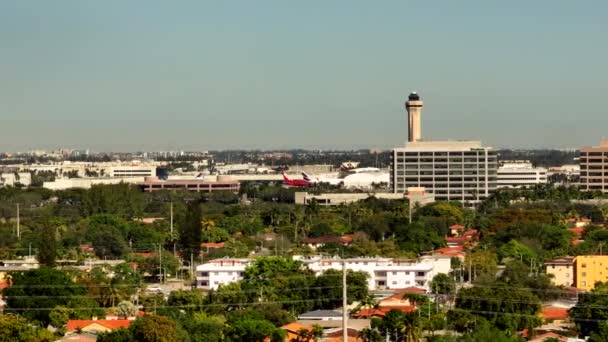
<point x="415" y="195"/>
<point x="15" y="178"/>
<point x="132" y="171"/>
<point x="87" y="183"/>
<point x="221" y="183"/>
<point x="516" y="174"/>
<point x="383" y="273"/>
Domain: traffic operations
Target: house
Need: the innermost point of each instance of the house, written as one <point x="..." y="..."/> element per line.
<point x="149" y="220"/>
<point x="456" y="229"/>
<point x="456" y="251"/>
<point x="322" y="315"/>
<point x="545" y="336"/>
<point x="316" y="242"/>
<point x="82" y="337"/>
<point x="554" y="314"/>
<point x="292" y="330"/>
<point x="578" y="222"/>
<point x="561" y="270"/>
<point x="394" y="302"/>
<point x="208" y="246"/>
<point x="336" y="335"/>
<point x="96" y="325"/>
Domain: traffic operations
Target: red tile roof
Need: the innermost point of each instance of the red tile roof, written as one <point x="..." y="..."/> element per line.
<point x="295" y="327"/>
<point x="381" y="312"/>
<point x="578" y="231"/>
<point x="450" y="251"/>
<point x="144" y="254"/>
<point x="111" y="324"/>
<point x="552" y="313"/>
<point x="543" y="337"/>
<point x="212" y="244"/>
<point x="457" y="227"/>
<point x="470" y="233"/>
<point x="328" y="239"/>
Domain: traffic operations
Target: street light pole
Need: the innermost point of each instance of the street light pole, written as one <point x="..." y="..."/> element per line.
<point x="344" y="303"/>
<point x="18" y="224"/>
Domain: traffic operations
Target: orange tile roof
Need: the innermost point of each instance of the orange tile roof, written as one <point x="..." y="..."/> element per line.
<point x="453" y="251"/>
<point x="144" y="254"/>
<point x="212" y="244"/>
<point x="545" y="336"/>
<point x="578" y="231"/>
<point x="553" y="313"/>
<point x="381" y="312"/>
<point x="111" y="324"/>
<point x="457" y="227"/>
<point x="470" y="233"/>
<point x="295" y="327"/>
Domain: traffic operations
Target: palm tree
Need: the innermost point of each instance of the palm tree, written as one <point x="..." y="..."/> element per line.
<point x="370" y="335"/>
<point x="367" y="302"/>
<point x="411" y="327"/>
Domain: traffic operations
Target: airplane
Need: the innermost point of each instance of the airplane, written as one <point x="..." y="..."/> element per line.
<point x="296" y="182"/>
<point x="331" y="181"/>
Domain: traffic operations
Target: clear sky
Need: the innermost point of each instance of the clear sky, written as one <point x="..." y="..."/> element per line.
<point x="124" y="75"/>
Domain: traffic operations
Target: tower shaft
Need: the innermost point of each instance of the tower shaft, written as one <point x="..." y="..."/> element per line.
<point x="414" y="111"/>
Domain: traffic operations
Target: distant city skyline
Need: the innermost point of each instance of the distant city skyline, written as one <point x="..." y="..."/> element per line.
<point x="198" y="75"/>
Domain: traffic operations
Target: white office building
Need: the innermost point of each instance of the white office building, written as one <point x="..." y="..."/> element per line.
<point x="517" y="174"/>
<point x="384" y="273"/>
<point x="451" y="170"/>
<point x="15" y="178"/>
<point x="125" y="171"/>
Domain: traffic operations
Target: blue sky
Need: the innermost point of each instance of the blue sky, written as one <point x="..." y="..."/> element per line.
<point x="125" y="75"/>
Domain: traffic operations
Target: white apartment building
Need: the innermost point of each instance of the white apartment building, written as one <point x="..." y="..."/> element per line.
<point x="218" y="272"/>
<point x="384" y="273"/>
<point x="451" y="170"/>
<point x="516" y="174"/>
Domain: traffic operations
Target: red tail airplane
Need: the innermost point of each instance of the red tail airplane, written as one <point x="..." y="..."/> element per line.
<point x="295" y="182"/>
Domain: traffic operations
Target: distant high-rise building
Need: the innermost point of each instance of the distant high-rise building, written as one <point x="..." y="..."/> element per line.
<point x="451" y="170"/>
<point x="594" y="167"/>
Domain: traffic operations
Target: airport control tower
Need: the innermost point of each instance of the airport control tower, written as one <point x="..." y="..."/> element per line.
<point x="413" y="105"/>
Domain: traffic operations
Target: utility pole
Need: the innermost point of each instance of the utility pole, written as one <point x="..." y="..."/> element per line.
<point x="171" y="219"/>
<point x="410" y="207"/>
<point x="18" y="224"/>
<point x="344" y="303"/>
<point x="30" y="250"/>
<point x="192" y="266"/>
<point x="160" y="261"/>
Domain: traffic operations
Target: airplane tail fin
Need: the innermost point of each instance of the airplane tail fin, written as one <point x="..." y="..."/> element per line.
<point x="306" y="177"/>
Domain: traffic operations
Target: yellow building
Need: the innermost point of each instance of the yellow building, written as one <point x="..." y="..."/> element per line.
<point x="561" y="270"/>
<point x="590" y="269"/>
